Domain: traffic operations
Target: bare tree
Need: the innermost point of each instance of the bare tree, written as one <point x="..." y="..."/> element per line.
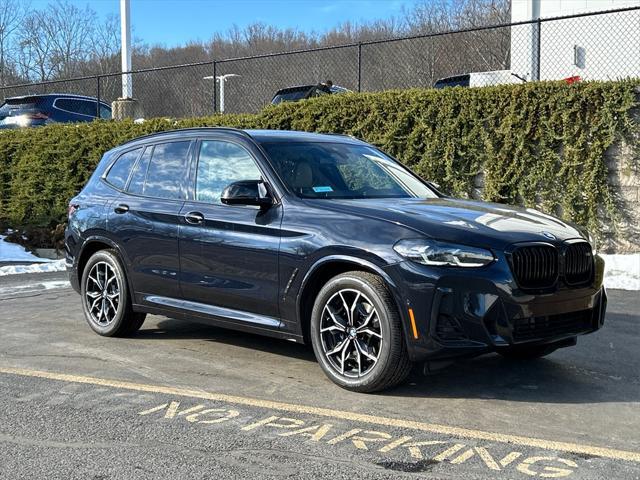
<point x="489" y="47"/>
<point x="11" y="15"/>
<point x="35" y="50"/>
<point x="104" y="50"/>
<point x="58" y="42"/>
<point x="69" y="30"/>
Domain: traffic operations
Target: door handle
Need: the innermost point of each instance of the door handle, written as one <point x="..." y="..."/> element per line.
<point x="194" y="218"/>
<point x="122" y="208"/>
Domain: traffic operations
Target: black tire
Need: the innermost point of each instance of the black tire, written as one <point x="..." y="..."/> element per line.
<point x="523" y="353"/>
<point x="392" y="365"/>
<point x="119" y="319"/>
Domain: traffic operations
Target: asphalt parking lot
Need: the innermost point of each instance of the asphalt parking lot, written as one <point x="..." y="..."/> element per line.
<point x="181" y="400"/>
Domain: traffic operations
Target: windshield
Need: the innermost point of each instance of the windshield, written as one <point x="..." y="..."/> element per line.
<point x="340" y="170"/>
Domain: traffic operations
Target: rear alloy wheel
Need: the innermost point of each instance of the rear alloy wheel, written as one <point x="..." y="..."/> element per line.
<point x="357" y="334"/>
<point x="105" y="296"/>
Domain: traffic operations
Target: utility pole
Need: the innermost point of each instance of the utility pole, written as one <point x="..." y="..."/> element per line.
<point x="125" y="36"/>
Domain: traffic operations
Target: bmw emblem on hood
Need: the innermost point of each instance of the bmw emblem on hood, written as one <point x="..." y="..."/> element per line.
<point x="549" y="235"/>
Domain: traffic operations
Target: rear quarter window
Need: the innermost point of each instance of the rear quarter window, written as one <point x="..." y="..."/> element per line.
<point x="120" y="170"/>
<point x="139" y="175"/>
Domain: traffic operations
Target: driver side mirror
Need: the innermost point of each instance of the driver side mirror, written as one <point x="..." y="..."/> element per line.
<point x="247" y="192"/>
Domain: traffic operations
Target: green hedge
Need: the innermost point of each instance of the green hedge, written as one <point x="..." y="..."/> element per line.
<point x="540" y="144"/>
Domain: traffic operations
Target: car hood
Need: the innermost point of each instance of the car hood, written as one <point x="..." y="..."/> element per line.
<point x="463" y="221"/>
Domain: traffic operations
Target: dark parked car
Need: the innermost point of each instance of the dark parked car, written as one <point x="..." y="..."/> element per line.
<point x="302" y="92"/>
<point x="323" y="239"/>
<point x="36" y="110"/>
<point x="454" y="81"/>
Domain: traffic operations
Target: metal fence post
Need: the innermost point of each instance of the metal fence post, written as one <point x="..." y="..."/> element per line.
<point x="98" y="97"/>
<point x="538" y="47"/>
<point x="359" y="66"/>
<point x="215" y="88"/>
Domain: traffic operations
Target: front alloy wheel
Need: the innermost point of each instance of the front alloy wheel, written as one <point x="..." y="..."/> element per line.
<point x="356" y="333"/>
<point x="351" y="333"/>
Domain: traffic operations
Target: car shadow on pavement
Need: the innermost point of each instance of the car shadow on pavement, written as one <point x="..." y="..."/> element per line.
<point x="548" y="380"/>
<point x="170" y="329"/>
<point x="566" y="376"/>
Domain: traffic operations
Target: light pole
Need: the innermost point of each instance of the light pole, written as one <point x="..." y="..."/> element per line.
<point x="125" y="38"/>
<point x="222" y="79"/>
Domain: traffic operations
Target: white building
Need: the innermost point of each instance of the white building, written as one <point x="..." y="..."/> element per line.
<point x="600" y="47"/>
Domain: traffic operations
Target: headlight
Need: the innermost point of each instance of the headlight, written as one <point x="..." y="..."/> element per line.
<point x="431" y="252"/>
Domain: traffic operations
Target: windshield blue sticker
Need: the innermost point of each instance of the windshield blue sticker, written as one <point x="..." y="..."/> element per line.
<point x="322" y="189"/>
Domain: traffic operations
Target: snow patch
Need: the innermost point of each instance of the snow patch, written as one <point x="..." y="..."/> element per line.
<point x="49" y="266"/>
<point x="622" y="272"/>
<point x="12" y="252"/>
<point x="33" y="287"/>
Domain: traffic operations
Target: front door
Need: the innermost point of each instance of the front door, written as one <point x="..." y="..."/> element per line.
<point x="229" y="253"/>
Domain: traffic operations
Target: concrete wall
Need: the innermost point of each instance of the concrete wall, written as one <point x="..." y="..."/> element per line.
<point x="623" y="161"/>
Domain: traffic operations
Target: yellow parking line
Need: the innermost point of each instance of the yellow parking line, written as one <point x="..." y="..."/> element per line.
<point x="326" y="412"/>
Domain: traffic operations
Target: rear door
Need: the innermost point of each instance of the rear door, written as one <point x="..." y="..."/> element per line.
<point x="229" y="260"/>
<point x="145" y="219"/>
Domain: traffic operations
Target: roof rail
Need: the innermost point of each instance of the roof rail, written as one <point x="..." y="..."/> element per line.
<point x="348" y="135"/>
<point x="189" y="129"/>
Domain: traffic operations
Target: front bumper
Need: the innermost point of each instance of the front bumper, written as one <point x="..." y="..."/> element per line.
<point x="468" y="312"/>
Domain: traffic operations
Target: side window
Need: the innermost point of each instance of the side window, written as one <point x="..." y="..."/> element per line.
<point x="105" y="112"/>
<point x="119" y="171"/>
<point x="82" y="107"/>
<point x="167" y="168"/>
<point x="139" y="175"/>
<point x="220" y="164"/>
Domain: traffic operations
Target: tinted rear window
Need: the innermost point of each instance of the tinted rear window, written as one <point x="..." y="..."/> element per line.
<point x="18" y="107"/>
<point x="167" y="169"/>
<point x="119" y="172"/>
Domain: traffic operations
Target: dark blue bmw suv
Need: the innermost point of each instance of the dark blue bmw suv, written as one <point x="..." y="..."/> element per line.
<point x="38" y="110"/>
<point x="323" y="239"/>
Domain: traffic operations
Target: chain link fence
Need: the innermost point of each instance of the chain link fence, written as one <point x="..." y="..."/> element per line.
<point x="590" y="46"/>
